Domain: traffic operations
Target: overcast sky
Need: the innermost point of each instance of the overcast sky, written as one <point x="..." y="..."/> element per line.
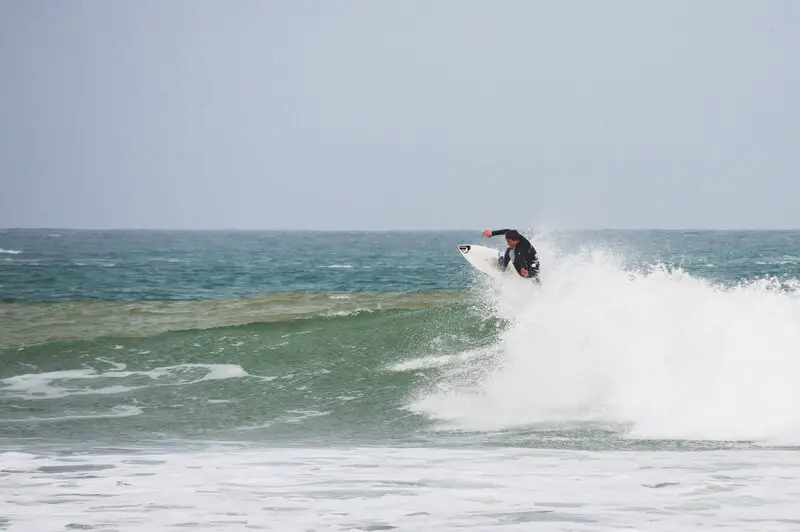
<point x="399" y="114"/>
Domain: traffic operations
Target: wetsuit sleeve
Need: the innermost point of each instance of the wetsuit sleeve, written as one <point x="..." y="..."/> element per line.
<point x="500" y="232"/>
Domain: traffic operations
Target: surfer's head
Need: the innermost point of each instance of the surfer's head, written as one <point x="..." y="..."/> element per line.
<point x="512" y="238"/>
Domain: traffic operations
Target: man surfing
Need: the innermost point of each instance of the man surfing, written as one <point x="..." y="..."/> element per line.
<point x="520" y="253"/>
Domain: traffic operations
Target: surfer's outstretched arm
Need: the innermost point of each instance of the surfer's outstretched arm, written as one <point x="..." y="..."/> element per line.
<point x="489" y="233"/>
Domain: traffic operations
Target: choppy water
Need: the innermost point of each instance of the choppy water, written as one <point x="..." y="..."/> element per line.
<point x="334" y="381"/>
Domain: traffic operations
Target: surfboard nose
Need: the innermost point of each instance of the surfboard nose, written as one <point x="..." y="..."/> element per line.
<point x="464" y="248"/>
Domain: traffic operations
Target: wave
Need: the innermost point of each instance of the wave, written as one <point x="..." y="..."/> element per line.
<point x="28" y="323"/>
<point x="650" y="353"/>
<point x="661" y="353"/>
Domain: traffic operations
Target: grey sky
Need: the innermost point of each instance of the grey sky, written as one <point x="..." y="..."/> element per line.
<point x="403" y="114"/>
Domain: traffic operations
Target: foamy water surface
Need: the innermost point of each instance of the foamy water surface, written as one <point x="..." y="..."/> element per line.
<point x="402" y="489"/>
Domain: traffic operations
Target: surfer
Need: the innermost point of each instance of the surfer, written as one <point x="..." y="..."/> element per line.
<point x="520" y="253"/>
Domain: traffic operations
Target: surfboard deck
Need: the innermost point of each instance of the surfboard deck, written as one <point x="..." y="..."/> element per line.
<point x="483" y="259"/>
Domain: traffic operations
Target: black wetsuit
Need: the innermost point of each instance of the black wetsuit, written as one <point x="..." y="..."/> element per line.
<point x="524" y="256"/>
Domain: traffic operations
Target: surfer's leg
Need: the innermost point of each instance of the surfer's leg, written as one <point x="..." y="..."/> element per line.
<point x="502" y="261"/>
<point x="534" y="273"/>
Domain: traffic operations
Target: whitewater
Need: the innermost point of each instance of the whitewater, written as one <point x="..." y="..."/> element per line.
<point x="663" y="353"/>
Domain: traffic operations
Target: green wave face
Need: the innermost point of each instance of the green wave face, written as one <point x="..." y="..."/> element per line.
<point x="237" y="370"/>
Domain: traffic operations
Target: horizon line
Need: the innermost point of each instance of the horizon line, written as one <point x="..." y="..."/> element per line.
<point x="394" y="230"/>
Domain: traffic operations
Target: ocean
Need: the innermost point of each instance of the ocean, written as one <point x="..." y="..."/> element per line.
<point x="298" y="381"/>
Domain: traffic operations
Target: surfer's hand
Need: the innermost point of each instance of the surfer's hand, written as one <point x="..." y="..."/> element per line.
<point x="487" y="233"/>
<point x="524" y="272"/>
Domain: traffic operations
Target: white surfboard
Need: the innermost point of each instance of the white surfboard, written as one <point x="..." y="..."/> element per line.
<point x="483" y="259"/>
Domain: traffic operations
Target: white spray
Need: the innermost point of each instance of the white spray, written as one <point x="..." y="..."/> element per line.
<point x="660" y="354"/>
